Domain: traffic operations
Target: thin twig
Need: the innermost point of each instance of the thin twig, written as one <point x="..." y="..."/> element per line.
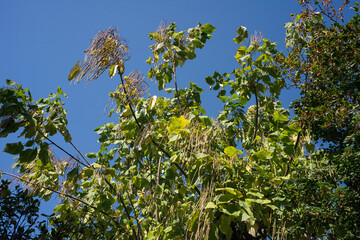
<point x="80" y="154"/>
<point x="256" y="113"/>
<point x="68" y="196"/>
<point x="107" y="182"/>
<point x="176" y="88"/>
<point x="55" y="191"/>
<point x="80" y="162"/>
<point x="158" y="183"/>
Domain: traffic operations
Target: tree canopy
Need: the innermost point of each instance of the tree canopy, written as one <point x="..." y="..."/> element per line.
<point x="19" y="218"/>
<point x="166" y="170"/>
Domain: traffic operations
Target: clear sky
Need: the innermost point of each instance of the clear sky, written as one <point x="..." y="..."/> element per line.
<point x="41" y="40"/>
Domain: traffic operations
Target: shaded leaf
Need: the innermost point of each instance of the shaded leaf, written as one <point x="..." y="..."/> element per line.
<point x="13" y="148"/>
<point x="225" y="226"/>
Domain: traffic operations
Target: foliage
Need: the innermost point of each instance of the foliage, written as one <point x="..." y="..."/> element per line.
<point x="324" y="63"/>
<point x="19" y="216"/>
<point x="165" y="170"/>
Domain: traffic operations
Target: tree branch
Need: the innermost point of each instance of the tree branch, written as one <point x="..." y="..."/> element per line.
<point x="176" y="88"/>
<point x="90" y="166"/>
<point x="55" y="191"/>
<point x="77" y="160"/>
<point x="70" y="197"/>
<point x="80" y="154"/>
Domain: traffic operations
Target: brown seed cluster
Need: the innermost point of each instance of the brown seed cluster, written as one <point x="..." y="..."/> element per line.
<point x="106" y="49"/>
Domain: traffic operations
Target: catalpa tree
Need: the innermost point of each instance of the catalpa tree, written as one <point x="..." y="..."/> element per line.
<point x="166" y="170"/>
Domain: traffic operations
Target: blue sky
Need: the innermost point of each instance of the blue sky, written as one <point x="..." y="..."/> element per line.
<point x="41" y="40"/>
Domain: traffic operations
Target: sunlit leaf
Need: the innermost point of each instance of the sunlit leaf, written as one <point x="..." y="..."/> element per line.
<point x="231" y="151"/>
<point x="113" y="70"/>
<point x="242" y="35"/>
<point x="279" y="117"/>
<point x="210" y="205"/>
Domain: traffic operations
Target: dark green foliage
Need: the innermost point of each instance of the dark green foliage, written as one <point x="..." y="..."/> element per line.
<point x="19" y="218"/>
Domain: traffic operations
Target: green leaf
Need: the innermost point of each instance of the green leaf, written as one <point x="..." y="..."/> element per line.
<point x="262" y="154"/>
<point x="252" y="229"/>
<point x="50" y="128"/>
<point x="223" y="99"/>
<point x="168" y="229"/>
<point x="225" y="198"/>
<point x="89" y="172"/>
<point x="96" y="165"/>
<point x="245" y="217"/>
<point x="13" y="148"/>
<point x="158" y="189"/>
<point x="231" y="191"/>
<point x="149" y="60"/>
<point x="279" y="180"/>
<point x="113" y="70"/>
<point x="207" y="28"/>
<point x="60" y="92"/>
<point x="231" y="210"/>
<point x="44" y="153"/>
<point x="110" y="171"/>
<point x="241" y="50"/>
<point x="225" y="226"/>
<point x="194" y="221"/>
<point x="200" y="155"/>
<point x="11" y="83"/>
<point x="177" y="124"/>
<point x="67" y="136"/>
<point x="210" y="205"/>
<point x="152" y="102"/>
<point x="310" y="147"/>
<point x="231" y="151"/>
<point x="242" y="35"/>
<point x="273" y="207"/>
<point x="91" y="155"/>
<point x="210" y="80"/>
<point x="205" y="120"/>
<point x="317" y="17"/>
<point x="279" y="117"/>
<point x="106" y="200"/>
<point x="28" y="155"/>
<point x="87" y="184"/>
<point x="260" y="201"/>
<point x="75" y="70"/>
<point x="256" y="194"/>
